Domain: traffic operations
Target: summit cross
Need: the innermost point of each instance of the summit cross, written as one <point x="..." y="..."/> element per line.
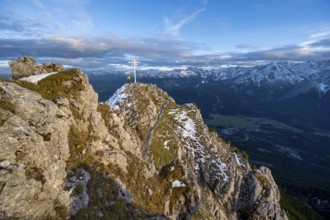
<point x="135" y="63"/>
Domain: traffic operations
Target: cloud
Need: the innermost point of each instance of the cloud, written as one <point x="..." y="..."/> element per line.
<point x="321" y="43"/>
<point x="21" y="28"/>
<point x="291" y="52"/>
<point x="204" y="2"/>
<point x="4" y="63"/>
<point x="32" y="19"/>
<point x="246" y="46"/>
<point x="112" y="47"/>
<point x="319" y="34"/>
<point x="38" y="3"/>
<point x="173" y="28"/>
<point x="156" y="50"/>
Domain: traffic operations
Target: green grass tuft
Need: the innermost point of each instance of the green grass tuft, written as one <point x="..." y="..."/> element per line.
<point x="245" y="155"/>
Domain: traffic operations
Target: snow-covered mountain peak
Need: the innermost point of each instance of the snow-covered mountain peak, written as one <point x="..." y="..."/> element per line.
<point x="276" y="74"/>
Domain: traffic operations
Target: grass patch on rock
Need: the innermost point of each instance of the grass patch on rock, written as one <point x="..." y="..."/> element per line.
<point x="7" y="106"/>
<point x="104" y="110"/>
<point x="264" y="181"/>
<point x="163" y="144"/>
<point x="104" y="197"/>
<point x="78" y="145"/>
<point x="35" y="173"/>
<point x="154" y="192"/>
<point x="63" y="84"/>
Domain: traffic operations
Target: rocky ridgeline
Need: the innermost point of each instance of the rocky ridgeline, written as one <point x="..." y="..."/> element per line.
<point x="27" y="66"/>
<point x="138" y="156"/>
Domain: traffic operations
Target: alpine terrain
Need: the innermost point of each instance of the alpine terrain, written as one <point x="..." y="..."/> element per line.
<point x="277" y="112"/>
<point x="138" y="155"/>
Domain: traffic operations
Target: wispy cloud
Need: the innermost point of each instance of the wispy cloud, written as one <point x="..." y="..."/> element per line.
<point x="314" y="51"/>
<point x="173" y="27"/>
<point x="246" y="46"/>
<point x="316" y="34"/>
<point x="204" y="2"/>
<point x="38" y="3"/>
<point x="320" y="34"/>
<point x="33" y="19"/>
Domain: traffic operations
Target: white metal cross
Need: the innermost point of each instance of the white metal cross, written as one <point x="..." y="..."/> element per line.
<point x="135" y="63"/>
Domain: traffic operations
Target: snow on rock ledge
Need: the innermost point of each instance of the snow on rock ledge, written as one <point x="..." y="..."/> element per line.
<point x="37" y="78"/>
<point x="117" y="99"/>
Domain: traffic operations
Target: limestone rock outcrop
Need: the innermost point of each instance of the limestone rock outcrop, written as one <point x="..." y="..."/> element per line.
<point x="52" y="67"/>
<point x="203" y="177"/>
<point x="26" y="66"/>
<point x="33" y="151"/>
<point x="138" y="156"/>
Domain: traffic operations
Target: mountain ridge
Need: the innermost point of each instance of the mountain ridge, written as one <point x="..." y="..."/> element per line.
<point x="148" y="158"/>
<point x="275" y="74"/>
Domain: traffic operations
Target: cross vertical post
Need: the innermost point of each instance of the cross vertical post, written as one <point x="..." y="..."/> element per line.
<point x="134" y="62"/>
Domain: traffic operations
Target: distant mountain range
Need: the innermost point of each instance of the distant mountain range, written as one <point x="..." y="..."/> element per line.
<point x="279" y="75"/>
<point x="269" y="87"/>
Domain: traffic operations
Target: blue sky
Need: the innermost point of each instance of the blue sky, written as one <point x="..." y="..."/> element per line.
<point x="98" y="33"/>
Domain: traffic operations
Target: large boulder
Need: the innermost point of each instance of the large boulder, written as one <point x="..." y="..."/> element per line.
<point x="27" y="66"/>
<point x="24" y="67"/>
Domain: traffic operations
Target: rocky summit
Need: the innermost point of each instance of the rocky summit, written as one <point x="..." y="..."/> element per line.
<point x="139" y="155"/>
<point x="27" y="66"/>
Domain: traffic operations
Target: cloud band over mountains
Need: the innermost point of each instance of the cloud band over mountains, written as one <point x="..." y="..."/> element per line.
<point x="153" y="50"/>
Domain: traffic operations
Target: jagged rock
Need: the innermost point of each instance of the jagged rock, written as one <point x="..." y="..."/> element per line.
<point x="4" y="164"/>
<point x="142" y="154"/>
<point x="212" y="172"/>
<point x="25" y="66"/>
<point x="52" y="67"/>
<point x="76" y="184"/>
<point x="34" y="141"/>
<point x="261" y="196"/>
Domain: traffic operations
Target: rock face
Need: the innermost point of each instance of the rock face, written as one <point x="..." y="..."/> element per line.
<point x="34" y="148"/>
<point x="26" y="66"/>
<point x="52" y="67"/>
<point x="138" y="156"/>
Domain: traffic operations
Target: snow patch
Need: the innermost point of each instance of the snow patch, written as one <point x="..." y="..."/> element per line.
<point x="177" y="184"/>
<point x="237" y="160"/>
<point x="188" y="128"/>
<point x="222" y="168"/>
<point x="203" y="159"/>
<point x="36" y="78"/>
<point x="118" y="98"/>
